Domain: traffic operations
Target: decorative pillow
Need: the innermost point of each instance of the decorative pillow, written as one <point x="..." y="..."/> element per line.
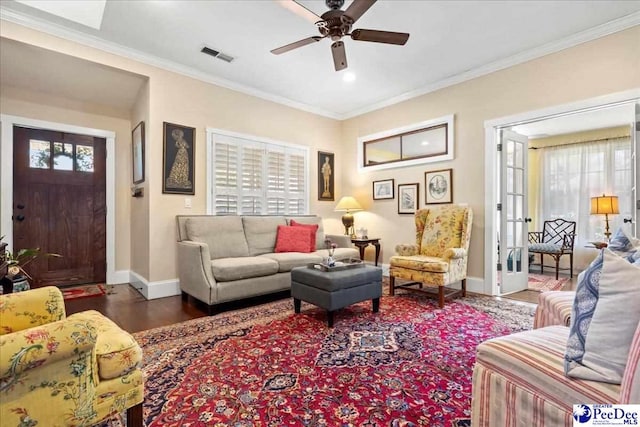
<point x="620" y="242"/>
<point x="614" y="322"/>
<point x="311" y="219"/>
<point x="584" y="305"/>
<point x="313" y="228"/>
<point x="293" y="239"/>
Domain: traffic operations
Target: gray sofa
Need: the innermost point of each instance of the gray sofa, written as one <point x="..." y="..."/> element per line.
<point x="226" y="258"/>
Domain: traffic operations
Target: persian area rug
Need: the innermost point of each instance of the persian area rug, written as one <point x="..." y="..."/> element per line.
<point x="410" y="364"/>
<point x="540" y="283"/>
<point x="83" y="291"/>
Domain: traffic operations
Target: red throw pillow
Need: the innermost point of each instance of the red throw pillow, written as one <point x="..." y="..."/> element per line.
<point x="311" y="227"/>
<point x="293" y="239"/>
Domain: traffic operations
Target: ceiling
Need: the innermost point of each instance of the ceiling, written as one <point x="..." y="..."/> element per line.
<point x="451" y="41"/>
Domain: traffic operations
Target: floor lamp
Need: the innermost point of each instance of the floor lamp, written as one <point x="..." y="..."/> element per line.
<point x="607" y="205"/>
<point x="348" y="204"/>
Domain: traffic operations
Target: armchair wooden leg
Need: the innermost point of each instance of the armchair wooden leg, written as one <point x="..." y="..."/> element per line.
<point x="392" y="285"/>
<point x="134" y="416"/>
<point x="557" y="266"/>
<point x="441" y="296"/>
<point x="541" y="264"/>
<point x="464" y="287"/>
<point x="571" y="264"/>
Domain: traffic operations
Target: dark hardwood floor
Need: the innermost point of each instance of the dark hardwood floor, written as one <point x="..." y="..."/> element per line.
<point x="131" y="311"/>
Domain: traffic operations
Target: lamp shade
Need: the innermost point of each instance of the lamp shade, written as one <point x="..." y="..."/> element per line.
<point x="349" y="204"/>
<point x="604" y="205"/>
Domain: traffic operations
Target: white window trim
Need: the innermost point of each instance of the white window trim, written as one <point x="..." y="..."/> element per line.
<point x="211" y="133"/>
<point x="448" y="120"/>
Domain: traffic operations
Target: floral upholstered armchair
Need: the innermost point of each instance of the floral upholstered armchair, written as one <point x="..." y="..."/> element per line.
<point x="439" y="256"/>
<point x="64" y="371"/>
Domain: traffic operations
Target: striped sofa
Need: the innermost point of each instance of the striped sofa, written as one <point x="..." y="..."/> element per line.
<point x="519" y="380"/>
<point x="554" y="308"/>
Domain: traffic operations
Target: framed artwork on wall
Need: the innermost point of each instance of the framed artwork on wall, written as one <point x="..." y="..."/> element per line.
<point x="178" y="159"/>
<point x="383" y="189"/>
<point x="438" y="187"/>
<point x="408" y="195"/>
<point x="137" y="153"/>
<point x="326" y="168"/>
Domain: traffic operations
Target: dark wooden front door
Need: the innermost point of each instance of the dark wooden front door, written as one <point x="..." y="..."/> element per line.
<point x="59" y="204"/>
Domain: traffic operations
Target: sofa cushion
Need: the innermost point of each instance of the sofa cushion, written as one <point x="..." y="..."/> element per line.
<point x="630" y="387"/>
<point x="533" y="360"/>
<point x="311" y="220"/>
<point x="260" y="232"/>
<point x="605" y="353"/>
<point x="117" y="353"/>
<point x="293" y="239"/>
<point x="228" y="269"/>
<point x="288" y="260"/>
<point x="313" y="229"/>
<point x="223" y="234"/>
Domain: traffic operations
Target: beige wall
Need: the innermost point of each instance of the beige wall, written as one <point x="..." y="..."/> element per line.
<point x="150" y="221"/>
<point x="139" y="223"/>
<point x="600" y="67"/>
<point x="607" y="65"/>
<point x="41" y="106"/>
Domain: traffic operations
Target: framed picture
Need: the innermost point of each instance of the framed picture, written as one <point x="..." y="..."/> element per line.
<point x="438" y="187"/>
<point x="408" y="195"/>
<point x="177" y="159"/>
<point x="137" y="153"/>
<point x="383" y="189"/>
<point x="326" y="170"/>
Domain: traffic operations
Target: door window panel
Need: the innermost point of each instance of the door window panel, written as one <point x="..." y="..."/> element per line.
<point x="62" y="156"/>
<point x="84" y="158"/>
<point x="39" y="154"/>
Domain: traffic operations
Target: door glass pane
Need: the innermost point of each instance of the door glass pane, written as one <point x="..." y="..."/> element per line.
<point x="39" y="154"/>
<point x="510" y="180"/>
<point x="519" y="157"/>
<point x="510" y="151"/>
<point x="84" y="158"/>
<point x="519" y="181"/>
<point x="62" y="156"/>
<point x="518" y="208"/>
<point x="510" y="207"/>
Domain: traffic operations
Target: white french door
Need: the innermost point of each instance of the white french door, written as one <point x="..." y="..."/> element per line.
<point x="512" y="212"/>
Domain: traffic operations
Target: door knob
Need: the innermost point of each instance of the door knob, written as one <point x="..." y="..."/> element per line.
<point x="628" y="220"/>
<point x="20" y="206"/>
<point x="20" y="217"/>
<point x="527" y="220"/>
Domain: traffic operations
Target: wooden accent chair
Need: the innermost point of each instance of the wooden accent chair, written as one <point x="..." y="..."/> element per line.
<point x="555" y="239"/>
<point x="439" y="256"/>
<point x="64" y="371"/>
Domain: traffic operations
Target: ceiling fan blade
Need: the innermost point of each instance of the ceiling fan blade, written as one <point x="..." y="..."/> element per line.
<point x="377" y="36"/>
<point x="295" y="45"/>
<point x="339" y="55"/>
<point x="300" y="10"/>
<point x="358" y="8"/>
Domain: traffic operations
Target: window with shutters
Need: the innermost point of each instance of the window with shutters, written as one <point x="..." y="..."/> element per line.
<point x="254" y="176"/>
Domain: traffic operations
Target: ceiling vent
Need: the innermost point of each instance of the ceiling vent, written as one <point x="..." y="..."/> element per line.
<point x="216" y="54"/>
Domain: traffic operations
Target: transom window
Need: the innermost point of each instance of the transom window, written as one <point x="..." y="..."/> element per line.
<point x="64" y="156"/>
<point x="253" y="176"/>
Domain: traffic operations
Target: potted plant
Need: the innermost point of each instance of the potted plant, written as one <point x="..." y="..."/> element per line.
<point x="17" y="278"/>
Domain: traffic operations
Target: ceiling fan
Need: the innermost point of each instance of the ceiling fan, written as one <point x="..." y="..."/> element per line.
<point x="336" y="24"/>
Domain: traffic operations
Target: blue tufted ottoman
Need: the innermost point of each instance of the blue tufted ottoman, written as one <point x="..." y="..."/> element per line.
<point x="333" y="290"/>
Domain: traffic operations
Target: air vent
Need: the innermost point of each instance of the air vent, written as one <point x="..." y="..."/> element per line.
<point x="216" y="54"/>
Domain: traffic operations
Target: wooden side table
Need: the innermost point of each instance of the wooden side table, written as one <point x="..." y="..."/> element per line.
<point x="363" y="243"/>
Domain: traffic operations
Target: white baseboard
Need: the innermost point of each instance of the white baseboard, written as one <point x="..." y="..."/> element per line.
<point x="153" y="290"/>
<point x="118" y="277"/>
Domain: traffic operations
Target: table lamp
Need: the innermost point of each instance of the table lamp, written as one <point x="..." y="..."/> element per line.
<point x="348" y="204"/>
<point x="605" y="205"/>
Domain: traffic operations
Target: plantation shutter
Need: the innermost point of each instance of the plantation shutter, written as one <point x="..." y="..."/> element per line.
<point x="258" y="178"/>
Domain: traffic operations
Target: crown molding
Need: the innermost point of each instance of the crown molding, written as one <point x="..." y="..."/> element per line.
<point x="599" y="31"/>
<point x="603" y="30"/>
<point x="117" y="49"/>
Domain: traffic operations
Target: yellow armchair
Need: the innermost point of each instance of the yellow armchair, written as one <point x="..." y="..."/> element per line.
<point x="64" y="371"/>
<point x="439" y="256"/>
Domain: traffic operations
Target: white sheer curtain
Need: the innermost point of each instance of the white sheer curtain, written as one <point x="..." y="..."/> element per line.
<point x="571" y="174"/>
